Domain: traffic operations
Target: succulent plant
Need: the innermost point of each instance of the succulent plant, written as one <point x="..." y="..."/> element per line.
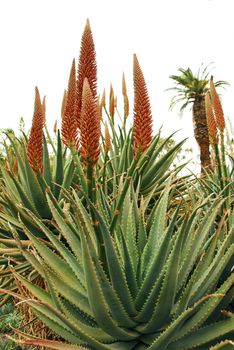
<point x="142" y="286"/>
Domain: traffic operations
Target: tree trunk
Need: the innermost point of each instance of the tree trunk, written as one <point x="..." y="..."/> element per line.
<point x="201" y="132"/>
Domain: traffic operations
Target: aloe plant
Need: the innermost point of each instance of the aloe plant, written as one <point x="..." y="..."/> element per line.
<point x="23" y="189"/>
<point x="153" y="286"/>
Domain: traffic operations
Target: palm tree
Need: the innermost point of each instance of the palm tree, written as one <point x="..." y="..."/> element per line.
<point x="191" y="88"/>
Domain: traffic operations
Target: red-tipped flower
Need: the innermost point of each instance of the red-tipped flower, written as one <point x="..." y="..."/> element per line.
<point x="90" y="129"/>
<point x="111" y="102"/>
<point x="142" y="124"/>
<point x="35" y="143"/>
<point x="69" y="121"/>
<point x="212" y="128"/>
<point x="87" y="68"/>
<point x="44" y="109"/>
<point x="107" y="139"/>
<point x="219" y="116"/>
<point x="125" y="96"/>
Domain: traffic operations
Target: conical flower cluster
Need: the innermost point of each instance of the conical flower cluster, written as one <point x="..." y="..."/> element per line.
<point x="218" y="110"/>
<point x="87" y="68"/>
<point x="212" y="128"/>
<point x="35" y="143"/>
<point x="69" y="110"/>
<point x="90" y="129"/>
<point x="125" y="97"/>
<point x="142" y="127"/>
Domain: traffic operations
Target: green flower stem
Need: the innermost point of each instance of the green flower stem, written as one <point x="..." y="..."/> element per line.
<point x="79" y="169"/>
<point x="49" y="138"/>
<point x="104" y="184"/>
<point x="216" y="149"/>
<point x="112" y="129"/>
<point x="225" y="171"/>
<point x="91" y="183"/>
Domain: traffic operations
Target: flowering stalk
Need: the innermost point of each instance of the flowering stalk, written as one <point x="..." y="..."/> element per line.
<point x="35" y="143"/>
<point x="142" y="125"/>
<point x="219" y="115"/>
<point x="69" y="121"/>
<point x="44" y="110"/>
<point x="90" y="132"/>
<point x="220" y="122"/>
<point x="63" y="103"/>
<point x="213" y="133"/>
<point x="107" y="145"/>
<point x="87" y="68"/>
<point x="126" y="101"/>
<point x="112" y="102"/>
<point x="211" y="123"/>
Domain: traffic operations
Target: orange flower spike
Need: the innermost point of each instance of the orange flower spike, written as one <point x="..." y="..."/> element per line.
<point x="212" y="128"/>
<point x="142" y="123"/>
<point x="219" y="116"/>
<point x="125" y="96"/>
<point x="44" y="109"/>
<point x="103" y="100"/>
<point x="124" y="88"/>
<point x="35" y="142"/>
<point x="90" y="129"/>
<point x="111" y="102"/>
<point x="87" y="67"/>
<point x="64" y="103"/>
<point x="99" y="107"/>
<point x="107" y="139"/>
<point x="55" y="128"/>
<point x="69" y="122"/>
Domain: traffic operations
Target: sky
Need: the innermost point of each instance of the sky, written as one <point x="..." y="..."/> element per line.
<point x="39" y="39"/>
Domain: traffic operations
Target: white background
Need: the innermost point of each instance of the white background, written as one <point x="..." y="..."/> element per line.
<point x="39" y="39"/>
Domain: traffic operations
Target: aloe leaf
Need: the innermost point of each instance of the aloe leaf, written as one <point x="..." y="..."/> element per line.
<point x="166" y="297"/>
<point x="162" y="341"/>
<point x="130" y="238"/>
<point x="206" y="309"/>
<point x="52" y="259"/>
<point x="147" y="156"/>
<point x="69" y="235"/>
<point x="130" y="270"/>
<point x="141" y="233"/>
<point x="9" y="183"/>
<point x="197" y="242"/>
<point x="115" y="270"/>
<point x="97" y="301"/>
<point x="58" y="177"/>
<point x="163" y="162"/>
<point x="156" y="266"/>
<point x="224" y="345"/>
<point x="78" y="299"/>
<point x="36" y="192"/>
<point x="68" y="257"/>
<point x="38" y="292"/>
<point x="204" y="335"/>
<point x="55" y="324"/>
<point x="21" y="164"/>
<point x="51" y="344"/>
<point x="212" y="275"/>
<point x="116" y="307"/>
<point x="23" y="197"/>
<point x="78" y="169"/>
<point x="46" y="163"/>
<point x="123" y="192"/>
<point x="130" y="345"/>
<point x="123" y="156"/>
<point x="157" y="229"/>
<point x="62" y="325"/>
<point x="68" y="177"/>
